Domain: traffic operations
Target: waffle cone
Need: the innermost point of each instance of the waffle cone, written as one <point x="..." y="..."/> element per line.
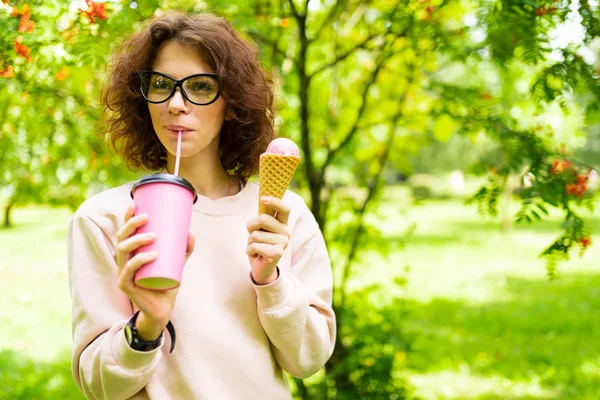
<point x="275" y="174"/>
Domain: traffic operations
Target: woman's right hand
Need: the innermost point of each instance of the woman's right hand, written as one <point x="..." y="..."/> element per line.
<point x="155" y="306"/>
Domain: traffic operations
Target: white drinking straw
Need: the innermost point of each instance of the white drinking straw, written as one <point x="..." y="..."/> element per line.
<point x="178" y="153"/>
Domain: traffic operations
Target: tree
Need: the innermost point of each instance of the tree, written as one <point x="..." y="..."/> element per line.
<point x="49" y="101"/>
<point x="417" y="69"/>
<point x="362" y="85"/>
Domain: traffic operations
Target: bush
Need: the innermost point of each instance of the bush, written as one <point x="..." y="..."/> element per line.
<point x="373" y="336"/>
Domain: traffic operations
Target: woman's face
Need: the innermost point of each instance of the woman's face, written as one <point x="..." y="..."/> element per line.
<point x="200" y="125"/>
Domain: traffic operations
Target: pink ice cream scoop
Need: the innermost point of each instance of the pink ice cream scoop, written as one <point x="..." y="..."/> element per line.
<point x="283" y="146"/>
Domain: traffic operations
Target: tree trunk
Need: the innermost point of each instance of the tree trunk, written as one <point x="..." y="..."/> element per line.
<point x="316" y="182"/>
<point x="7" y="209"/>
<point x="507" y="220"/>
<point x="340" y="353"/>
<point x="312" y="177"/>
<point x="315" y="185"/>
<point x="302" y="392"/>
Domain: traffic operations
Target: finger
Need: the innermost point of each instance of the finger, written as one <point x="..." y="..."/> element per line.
<point x="129" y="213"/>
<point x="268" y="251"/>
<point x="281" y="208"/>
<point x="131" y="226"/>
<point x="126" y="276"/>
<point x="191" y="244"/>
<point x="134" y="242"/>
<point x="268" y="238"/>
<point x="268" y="223"/>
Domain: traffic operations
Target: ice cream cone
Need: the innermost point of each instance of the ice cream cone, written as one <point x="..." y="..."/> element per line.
<point x="275" y="174"/>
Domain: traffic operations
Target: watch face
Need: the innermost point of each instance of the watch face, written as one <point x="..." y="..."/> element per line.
<point x="128" y="334"/>
<point x="136" y="343"/>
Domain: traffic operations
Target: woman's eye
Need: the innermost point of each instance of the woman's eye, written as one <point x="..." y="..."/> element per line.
<point x="201" y="86"/>
<point x="160" y="84"/>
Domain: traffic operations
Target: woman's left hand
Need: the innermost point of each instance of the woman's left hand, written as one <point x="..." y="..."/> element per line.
<point x="268" y="239"/>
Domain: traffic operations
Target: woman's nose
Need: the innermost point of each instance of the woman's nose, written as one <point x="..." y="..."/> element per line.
<point x="177" y="103"/>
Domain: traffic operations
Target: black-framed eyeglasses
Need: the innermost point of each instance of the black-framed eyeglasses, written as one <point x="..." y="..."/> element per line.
<point x="198" y="89"/>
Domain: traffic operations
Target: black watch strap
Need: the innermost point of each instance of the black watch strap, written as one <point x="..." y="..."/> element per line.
<point x="134" y="341"/>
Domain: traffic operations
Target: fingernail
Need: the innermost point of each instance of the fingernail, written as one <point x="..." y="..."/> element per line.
<point x="265" y="199"/>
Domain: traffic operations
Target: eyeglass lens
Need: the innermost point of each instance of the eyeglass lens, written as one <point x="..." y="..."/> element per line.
<point x="199" y="89"/>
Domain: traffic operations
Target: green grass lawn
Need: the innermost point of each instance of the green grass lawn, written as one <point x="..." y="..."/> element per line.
<point x="35" y="338"/>
<point x="483" y="320"/>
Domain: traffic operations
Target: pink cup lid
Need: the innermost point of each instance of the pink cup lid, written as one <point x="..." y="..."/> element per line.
<point x="164" y="178"/>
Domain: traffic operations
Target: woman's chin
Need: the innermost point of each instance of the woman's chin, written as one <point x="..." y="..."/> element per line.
<point x="185" y="153"/>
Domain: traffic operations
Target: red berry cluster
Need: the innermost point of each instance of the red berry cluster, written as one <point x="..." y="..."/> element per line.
<point x="7" y="72"/>
<point x="579" y="186"/>
<point x="560" y="166"/>
<point x="25" y="23"/>
<point x="544" y="11"/>
<point x="585" y="242"/>
<point x="22" y="49"/>
<point x="93" y="10"/>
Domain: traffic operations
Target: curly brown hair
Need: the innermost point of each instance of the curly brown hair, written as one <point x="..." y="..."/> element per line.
<point x="247" y="92"/>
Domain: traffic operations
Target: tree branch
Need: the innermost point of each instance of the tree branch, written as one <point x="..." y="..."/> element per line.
<point x="363" y="106"/>
<point x="342" y="56"/>
<point x="273" y="44"/>
<point x="383" y="57"/>
<point x="294" y="10"/>
<point x="373" y="187"/>
<point x="339" y="4"/>
<point x="372" y="124"/>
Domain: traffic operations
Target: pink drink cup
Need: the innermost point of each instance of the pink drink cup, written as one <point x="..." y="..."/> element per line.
<point x="168" y="201"/>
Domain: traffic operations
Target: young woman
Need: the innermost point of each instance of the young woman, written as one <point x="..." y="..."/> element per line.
<point x="255" y="297"/>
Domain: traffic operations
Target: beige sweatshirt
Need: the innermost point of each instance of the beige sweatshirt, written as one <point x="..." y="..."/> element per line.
<point x="233" y="338"/>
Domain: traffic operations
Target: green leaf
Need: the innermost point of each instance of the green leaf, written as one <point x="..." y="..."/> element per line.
<point x="592" y="113"/>
<point x="444" y="127"/>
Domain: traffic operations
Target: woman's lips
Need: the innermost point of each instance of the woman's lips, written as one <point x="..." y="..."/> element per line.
<point x="175" y="131"/>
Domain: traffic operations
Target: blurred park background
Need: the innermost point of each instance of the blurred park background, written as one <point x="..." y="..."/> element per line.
<point x="451" y="153"/>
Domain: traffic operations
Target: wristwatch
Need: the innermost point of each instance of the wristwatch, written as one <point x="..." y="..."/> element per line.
<point x="131" y="334"/>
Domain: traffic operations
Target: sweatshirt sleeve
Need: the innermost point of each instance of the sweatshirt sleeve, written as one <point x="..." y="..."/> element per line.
<point x="295" y="310"/>
<point x="104" y="365"/>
